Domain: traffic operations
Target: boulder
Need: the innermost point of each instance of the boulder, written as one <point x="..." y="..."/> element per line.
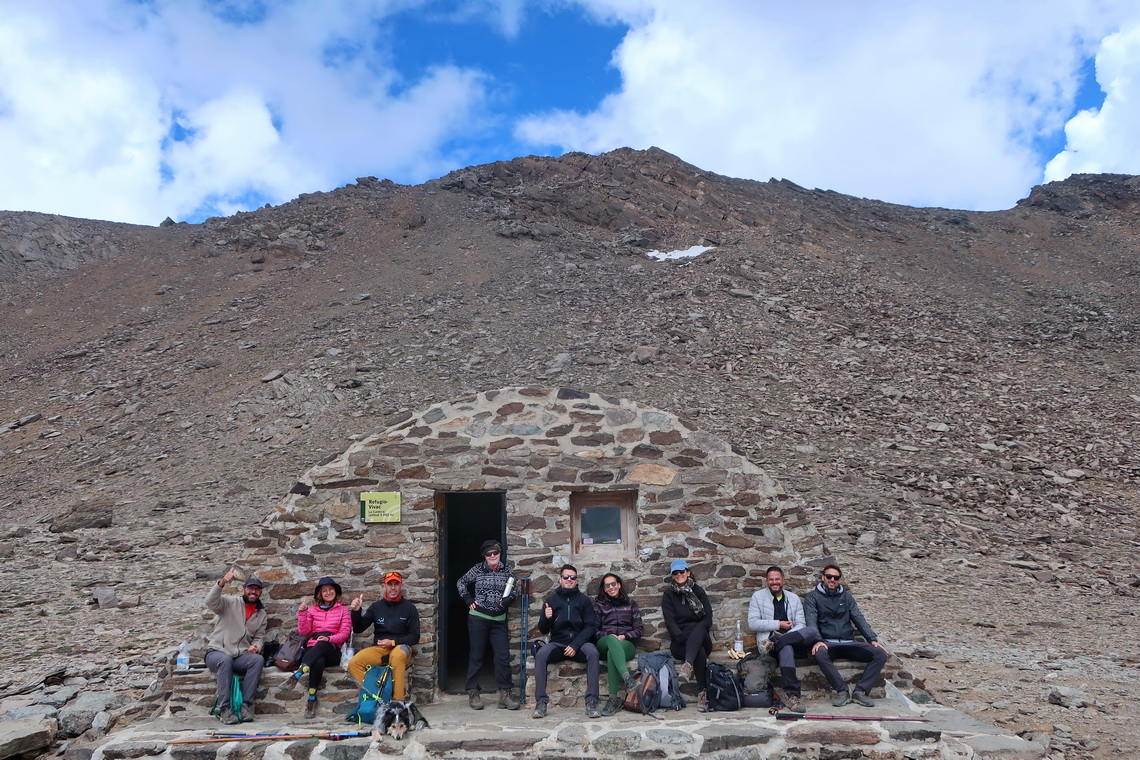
<point x="26" y="736"/>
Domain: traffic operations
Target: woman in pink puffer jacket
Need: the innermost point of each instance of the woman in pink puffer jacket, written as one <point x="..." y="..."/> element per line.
<point x="328" y="624"/>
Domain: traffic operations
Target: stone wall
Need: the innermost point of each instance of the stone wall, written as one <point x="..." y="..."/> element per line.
<point x="695" y="499"/>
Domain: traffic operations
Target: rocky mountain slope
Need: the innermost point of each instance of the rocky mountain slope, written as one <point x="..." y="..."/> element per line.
<point x="954" y="395"/>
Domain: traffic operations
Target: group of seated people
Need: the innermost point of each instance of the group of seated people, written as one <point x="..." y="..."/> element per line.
<point x="822" y="625"/>
<point x="235" y="645"/>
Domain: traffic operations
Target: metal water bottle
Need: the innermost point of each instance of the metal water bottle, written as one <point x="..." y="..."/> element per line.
<point x="509" y="587"/>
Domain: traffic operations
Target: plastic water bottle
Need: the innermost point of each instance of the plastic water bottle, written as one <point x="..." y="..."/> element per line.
<point x="738" y="642"/>
<point x="347" y="652"/>
<point x="183" y="660"/>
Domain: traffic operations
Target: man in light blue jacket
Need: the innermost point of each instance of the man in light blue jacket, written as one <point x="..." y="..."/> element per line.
<point x="777" y="618"/>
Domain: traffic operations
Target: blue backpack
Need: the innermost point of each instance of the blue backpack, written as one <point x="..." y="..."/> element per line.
<point x="376" y="690"/>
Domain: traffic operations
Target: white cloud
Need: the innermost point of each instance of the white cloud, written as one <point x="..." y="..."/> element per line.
<point x="909" y="102"/>
<point x="1107" y="139"/>
<point x="89" y="90"/>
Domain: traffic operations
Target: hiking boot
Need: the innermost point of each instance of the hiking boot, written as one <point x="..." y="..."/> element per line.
<point x="628" y="680"/>
<point x="475" y="700"/>
<point x="613" y="704"/>
<point x="592" y="709"/>
<point x="311" y="707"/>
<point x="227" y="716"/>
<point x="861" y="698"/>
<point x="841" y="698"/>
<point x="767" y="645"/>
<point x="539" y="710"/>
<point x="247" y="713"/>
<point x="290" y="682"/>
<point x="793" y="704"/>
<point x="506" y="701"/>
<point x="686" y="670"/>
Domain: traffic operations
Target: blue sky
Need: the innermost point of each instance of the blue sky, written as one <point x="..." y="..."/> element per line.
<point x="135" y="110"/>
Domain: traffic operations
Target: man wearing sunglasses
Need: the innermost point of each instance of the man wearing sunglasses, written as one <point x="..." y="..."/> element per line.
<point x="568" y="618"/>
<point x="832" y="610"/>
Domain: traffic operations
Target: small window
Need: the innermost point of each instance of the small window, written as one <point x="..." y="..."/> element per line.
<point x="604" y="525"/>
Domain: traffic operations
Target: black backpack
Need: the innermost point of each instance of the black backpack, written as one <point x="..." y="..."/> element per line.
<point x="723" y="690"/>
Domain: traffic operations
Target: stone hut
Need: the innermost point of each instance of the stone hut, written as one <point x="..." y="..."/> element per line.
<point x="556" y="475"/>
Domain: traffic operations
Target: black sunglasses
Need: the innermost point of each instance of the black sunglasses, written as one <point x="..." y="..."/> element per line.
<point x="492" y="554"/>
<point x="569" y="577"/>
<point x="831" y="577"/>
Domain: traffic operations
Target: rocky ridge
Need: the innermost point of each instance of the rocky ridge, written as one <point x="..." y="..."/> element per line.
<point x="952" y="395"/>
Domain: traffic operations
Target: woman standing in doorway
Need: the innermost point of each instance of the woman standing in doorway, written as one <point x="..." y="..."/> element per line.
<point x="488" y="589"/>
<point x="688" y="616"/>
<point x="619" y="625"/>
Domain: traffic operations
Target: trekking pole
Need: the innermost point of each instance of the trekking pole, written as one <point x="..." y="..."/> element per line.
<point x="272" y="737"/>
<point x="524" y="635"/>
<point x="797" y="716"/>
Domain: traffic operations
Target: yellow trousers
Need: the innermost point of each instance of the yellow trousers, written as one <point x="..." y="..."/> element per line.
<point x="398" y="657"/>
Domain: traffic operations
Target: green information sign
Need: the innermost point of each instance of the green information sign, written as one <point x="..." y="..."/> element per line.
<point x="380" y="507"/>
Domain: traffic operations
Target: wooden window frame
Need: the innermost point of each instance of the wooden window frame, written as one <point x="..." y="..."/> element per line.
<point x="627" y="502"/>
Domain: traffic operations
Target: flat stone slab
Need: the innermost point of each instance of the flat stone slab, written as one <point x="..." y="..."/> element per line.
<point x="26" y="735"/>
<point x="720" y="738"/>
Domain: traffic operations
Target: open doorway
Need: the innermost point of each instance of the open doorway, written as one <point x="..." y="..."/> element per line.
<point x="467" y="519"/>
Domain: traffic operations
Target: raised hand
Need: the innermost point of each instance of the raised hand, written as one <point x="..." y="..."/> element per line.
<point x="358" y="602"/>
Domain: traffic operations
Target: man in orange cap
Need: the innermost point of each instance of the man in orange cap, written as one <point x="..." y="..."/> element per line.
<point x="395" y="628"/>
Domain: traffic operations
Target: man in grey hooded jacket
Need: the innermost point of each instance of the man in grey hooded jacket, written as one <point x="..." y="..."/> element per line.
<point x="832" y="610"/>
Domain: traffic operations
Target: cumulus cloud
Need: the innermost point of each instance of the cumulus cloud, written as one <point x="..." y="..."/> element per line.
<point x="908" y="102"/>
<point x="120" y="110"/>
<point x="1106" y="139"/>
<point x="135" y="110"/>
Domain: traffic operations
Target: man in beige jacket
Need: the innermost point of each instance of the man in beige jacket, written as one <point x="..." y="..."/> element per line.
<point x="235" y="643"/>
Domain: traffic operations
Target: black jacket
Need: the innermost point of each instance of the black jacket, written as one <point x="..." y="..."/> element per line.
<point x="679" y="617"/>
<point x="399" y="621"/>
<point x="573" y="622"/>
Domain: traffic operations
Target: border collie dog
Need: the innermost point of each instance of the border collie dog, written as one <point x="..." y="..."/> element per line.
<point x="398" y="717"/>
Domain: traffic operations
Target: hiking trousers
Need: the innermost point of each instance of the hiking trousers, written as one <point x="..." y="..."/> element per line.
<point x="786" y="648"/>
<point x="851" y="650"/>
<point x="398" y="657"/>
<point x="481" y="632"/>
<point x="224" y="667"/>
<point x="554" y="653"/>
<point x="617" y="653"/>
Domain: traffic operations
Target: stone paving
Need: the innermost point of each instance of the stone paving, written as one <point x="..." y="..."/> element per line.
<point x="457" y="731"/>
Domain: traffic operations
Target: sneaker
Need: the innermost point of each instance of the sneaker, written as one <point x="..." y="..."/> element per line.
<point x="686" y="670"/>
<point x="861" y="698"/>
<point x="539" y="710"/>
<point x="592" y="710"/>
<point x="841" y="698"/>
<point x="767" y="645"/>
<point x="311" y="707"/>
<point x="703" y="702"/>
<point x="507" y="701"/>
<point x="613" y="704"/>
<point x="628" y="680"/>
<point x="247" y="713"/>
<point x="475" y="700"/>
<point x="227" y="716"/>
<point x="290" y="682"/>
<point x="793" y="704"/>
